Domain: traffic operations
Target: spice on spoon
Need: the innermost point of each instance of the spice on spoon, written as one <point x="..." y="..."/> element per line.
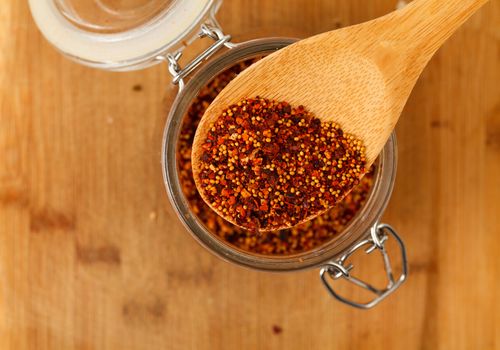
<point x="266" y="165"/>
<point x="300" y="238"/>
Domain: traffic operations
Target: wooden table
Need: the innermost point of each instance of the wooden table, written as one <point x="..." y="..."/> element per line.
<point x="93" y="257"/>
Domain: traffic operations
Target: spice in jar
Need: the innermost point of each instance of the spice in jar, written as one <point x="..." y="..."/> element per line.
<point x="266" y="165"/>
<point x="300" y="238"/>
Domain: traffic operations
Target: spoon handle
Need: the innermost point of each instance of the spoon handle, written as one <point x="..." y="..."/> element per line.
<point x="429" y="23"/>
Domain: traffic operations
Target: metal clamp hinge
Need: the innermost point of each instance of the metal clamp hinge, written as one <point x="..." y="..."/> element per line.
<point x="379" y="234"/>
<point x="207" y="30"/>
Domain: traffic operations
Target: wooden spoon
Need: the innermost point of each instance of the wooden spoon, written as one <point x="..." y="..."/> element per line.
<point x="359" y="77"/>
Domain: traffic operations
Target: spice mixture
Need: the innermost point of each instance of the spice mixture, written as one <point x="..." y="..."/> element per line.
<point x="298" y="239"/>
<point x="266" y="165"/>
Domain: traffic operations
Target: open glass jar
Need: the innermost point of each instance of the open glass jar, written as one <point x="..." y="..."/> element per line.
<point x="144" y="33"/>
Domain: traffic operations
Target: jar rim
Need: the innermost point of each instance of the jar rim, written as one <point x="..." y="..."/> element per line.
<point x="357" y="228"/>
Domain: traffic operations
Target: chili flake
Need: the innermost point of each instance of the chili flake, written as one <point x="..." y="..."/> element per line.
<point x="266" y="165"/>
<point x="300" y="238"/>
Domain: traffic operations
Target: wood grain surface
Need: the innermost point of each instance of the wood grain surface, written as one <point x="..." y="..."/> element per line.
<point x="93" y="257"/>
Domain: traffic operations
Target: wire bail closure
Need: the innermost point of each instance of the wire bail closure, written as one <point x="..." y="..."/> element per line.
<point x="210" y="30"/>
<point x="379" y="234"/>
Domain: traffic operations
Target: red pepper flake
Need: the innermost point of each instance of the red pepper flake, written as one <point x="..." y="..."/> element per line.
<point x="241" y="211"/>
<point x="277" y="329"/>
<point x="289" y="160"/>
<point x="245" y="194"/>
<point x="298" y="239"/>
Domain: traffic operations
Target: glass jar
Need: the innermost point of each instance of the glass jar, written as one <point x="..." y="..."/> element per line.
<point x="112" y="47"/>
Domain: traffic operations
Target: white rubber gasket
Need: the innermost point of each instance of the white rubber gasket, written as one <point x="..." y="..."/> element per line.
<point x="124" y="48"/>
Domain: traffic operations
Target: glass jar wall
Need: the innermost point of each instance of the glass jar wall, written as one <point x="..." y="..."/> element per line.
<point x="358" y="227"/>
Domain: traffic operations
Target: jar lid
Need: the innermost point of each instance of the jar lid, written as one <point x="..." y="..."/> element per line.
<point x="120" y="35"/>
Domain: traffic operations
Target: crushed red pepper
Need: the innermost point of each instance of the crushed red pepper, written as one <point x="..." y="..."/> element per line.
<point x="266" y="165"/>
<point x="300" y="238"/>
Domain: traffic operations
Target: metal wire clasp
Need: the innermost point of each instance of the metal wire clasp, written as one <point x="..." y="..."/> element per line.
<point x="379" y="234"/>
<point x="207" y="30"/>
